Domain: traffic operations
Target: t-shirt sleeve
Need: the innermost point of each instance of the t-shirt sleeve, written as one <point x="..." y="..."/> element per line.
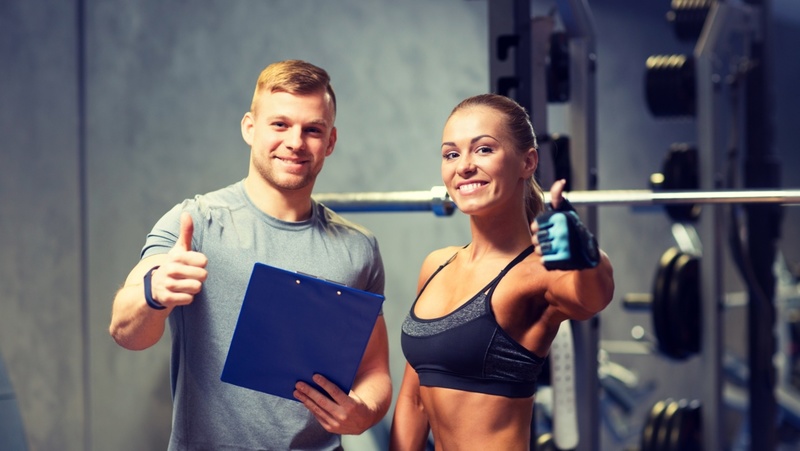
<point x="377" y="275"/>
<point x="164" y="233"/>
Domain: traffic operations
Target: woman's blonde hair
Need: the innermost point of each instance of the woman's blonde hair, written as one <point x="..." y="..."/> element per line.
<point x="520" y="131"/>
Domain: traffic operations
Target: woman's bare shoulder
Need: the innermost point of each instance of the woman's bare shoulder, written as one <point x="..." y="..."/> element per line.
<point x="443" y="254"/>
<point x="436" y="259"/>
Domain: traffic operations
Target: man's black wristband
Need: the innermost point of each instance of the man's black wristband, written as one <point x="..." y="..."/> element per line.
<point x="148" y="292"/>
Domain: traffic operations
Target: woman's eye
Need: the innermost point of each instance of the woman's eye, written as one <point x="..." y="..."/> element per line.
<point x="450" y="155"/>
<point x="484" y="149"/>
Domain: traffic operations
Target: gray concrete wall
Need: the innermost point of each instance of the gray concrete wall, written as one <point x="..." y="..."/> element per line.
<point x="103" y="127"/>
<point x="42" y="320"/>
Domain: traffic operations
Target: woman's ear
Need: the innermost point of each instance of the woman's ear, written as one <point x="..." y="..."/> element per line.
<point x="530" y="162"/>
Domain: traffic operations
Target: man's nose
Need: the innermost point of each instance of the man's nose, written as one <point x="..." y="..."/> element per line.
<point x="293" y="139"/>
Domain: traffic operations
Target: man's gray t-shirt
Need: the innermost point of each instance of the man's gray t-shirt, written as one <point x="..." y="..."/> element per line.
<point x="234" y="235"/>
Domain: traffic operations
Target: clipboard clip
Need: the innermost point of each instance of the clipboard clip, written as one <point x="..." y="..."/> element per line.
<point x="320" y="278"/>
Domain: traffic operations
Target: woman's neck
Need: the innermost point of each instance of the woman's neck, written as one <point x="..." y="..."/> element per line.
<point x="499" y="234"/>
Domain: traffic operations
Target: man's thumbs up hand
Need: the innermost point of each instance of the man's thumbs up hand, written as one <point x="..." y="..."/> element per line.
<point x="185" y="237"/>
<point x="182" y="274"/>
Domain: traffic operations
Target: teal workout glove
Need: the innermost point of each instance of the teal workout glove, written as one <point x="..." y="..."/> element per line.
<point x="565" y="242"/>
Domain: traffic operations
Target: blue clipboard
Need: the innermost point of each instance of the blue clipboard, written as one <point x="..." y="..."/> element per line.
<point x="292" y="326"/>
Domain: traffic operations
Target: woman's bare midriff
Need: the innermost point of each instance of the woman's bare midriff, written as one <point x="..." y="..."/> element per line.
<point x="475" y="421"/>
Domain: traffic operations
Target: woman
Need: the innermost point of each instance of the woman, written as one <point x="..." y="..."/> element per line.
<point x="486" y="313"/>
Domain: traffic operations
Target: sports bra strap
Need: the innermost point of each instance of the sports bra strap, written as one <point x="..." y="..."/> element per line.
<point x="522" y="255"/>
<point x="493" y="284"/>
<point x="441" y="267"/>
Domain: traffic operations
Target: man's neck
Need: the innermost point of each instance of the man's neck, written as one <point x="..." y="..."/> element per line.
<point x="289" y="206"/>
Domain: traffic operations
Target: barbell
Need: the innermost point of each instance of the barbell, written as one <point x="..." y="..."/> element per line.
<point x="438" y="201"/>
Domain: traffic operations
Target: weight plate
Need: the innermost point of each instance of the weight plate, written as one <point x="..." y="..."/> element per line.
<point x="659" y="314"/>
<point x="684" y="310"/>
<point x="680" y="170"/>
<point x="664" y="425"/>
<point x="676" y="425"/>
<point x="650" y="430"/>
<point x="690" y="436"/>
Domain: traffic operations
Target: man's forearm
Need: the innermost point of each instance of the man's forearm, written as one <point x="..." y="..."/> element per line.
<point x="134" y="325"/>
<point x="375" y="390"/>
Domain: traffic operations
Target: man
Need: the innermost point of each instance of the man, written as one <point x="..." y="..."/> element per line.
<point x="197" y="261"/>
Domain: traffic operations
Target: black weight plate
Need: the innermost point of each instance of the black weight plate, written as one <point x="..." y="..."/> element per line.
<point x="684" y="310"/>
<point x="691" y="291"/>
<point x="664" y="425"/>
<point x="650" y="430"/>
<point x="680" y="170"/>
<point x="661" y="323"/>
<point x="676" y="425"/>
<point x="690" y="436"/>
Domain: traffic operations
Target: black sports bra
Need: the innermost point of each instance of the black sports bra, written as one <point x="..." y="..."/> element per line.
<point x="467" y="350"/>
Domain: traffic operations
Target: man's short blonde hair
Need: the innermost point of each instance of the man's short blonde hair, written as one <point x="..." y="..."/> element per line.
<point x="294" y="77"/>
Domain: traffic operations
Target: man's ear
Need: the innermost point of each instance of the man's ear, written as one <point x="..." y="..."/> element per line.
<point x="331" y="142"/>
<point x="248" y="124"/>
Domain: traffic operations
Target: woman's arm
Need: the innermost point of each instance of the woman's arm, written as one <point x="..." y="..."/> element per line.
<point x="410" y="422"/>
<point x="583" y="293"/>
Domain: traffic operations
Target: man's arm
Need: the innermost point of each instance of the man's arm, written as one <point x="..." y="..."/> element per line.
<point x="369" y="398"/>
<point x="135" y="325"/>
<point x="373" y="383"/>
<point x="175" y="278"/>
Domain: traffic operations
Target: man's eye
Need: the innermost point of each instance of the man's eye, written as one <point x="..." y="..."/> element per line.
<point x="279" y="124"/>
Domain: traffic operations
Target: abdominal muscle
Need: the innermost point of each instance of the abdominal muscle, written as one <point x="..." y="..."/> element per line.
<point x="463" y="420"/>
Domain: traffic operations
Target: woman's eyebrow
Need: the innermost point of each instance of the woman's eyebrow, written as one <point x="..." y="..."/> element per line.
<point x="472" y="141"/>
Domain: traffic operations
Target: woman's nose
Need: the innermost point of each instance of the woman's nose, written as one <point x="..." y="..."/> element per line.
<point x="466" y="165"/>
